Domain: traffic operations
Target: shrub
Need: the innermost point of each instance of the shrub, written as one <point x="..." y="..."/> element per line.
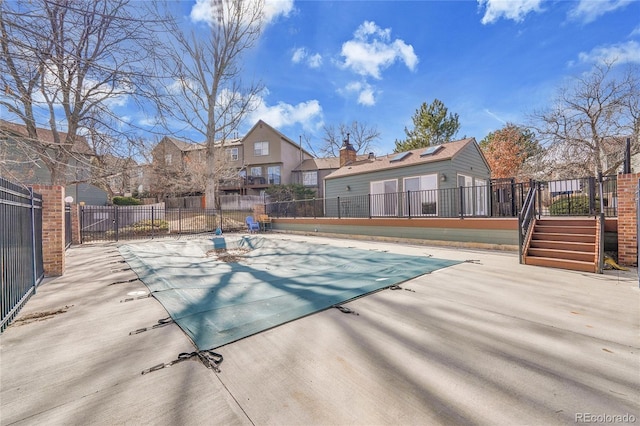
<point x="126" y="201"/>
<point x="146" y="225"/>
<point x="571" y="205"/>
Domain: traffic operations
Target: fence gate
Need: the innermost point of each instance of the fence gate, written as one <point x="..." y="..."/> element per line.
<point x="21" y="259"/>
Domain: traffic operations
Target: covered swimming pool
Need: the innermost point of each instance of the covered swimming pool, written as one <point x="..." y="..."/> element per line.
<point x="222" y="289"/>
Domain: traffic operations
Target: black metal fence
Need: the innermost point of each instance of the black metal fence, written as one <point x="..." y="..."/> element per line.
<point x="578" y="197"/>
<point x="21" y="259"/>
<point x="503" y="198"/>
<point x="117" y="223"/>
<point x="497" y="200"/>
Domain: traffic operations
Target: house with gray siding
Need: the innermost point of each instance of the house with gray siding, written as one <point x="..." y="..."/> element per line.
<point x="311" y="172"/>
<point x="22" y="161"/>
<point x="442" y="180"/>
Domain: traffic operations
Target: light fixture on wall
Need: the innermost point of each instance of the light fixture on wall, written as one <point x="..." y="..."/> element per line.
<point x="348" y="188"/>
<point x="443" y="177"/>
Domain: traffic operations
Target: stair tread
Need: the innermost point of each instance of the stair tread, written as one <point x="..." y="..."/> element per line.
<point x="562" y="233"/>
<point x="564" y="242"/>
<point x="557" y="249"/>
<point x="556" y="260"/>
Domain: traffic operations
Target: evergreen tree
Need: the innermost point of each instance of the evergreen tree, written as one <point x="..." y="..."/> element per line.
<point x="432" y="126"/>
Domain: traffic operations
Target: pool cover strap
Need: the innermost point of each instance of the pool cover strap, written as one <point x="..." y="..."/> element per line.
<point x="161" y="323"/>
<point x="209" y="358"/>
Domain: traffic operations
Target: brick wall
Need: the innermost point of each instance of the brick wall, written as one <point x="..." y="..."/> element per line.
<point x="627" y="219"/>
<point x="52" y="228"/>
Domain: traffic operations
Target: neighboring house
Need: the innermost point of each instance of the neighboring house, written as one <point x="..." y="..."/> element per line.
<point x="178" y="167"/>
<point x="377" y="182"/>
<point x="119" y="176"/>
<point x="20" y="162"/>
<point x="177" y="154"/>
<point x="268" y="158"/>
<point x="311" y="173"/>
<point x="247" y="165"/>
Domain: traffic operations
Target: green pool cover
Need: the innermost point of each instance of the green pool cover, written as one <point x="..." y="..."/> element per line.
<point x="223" y="289"/>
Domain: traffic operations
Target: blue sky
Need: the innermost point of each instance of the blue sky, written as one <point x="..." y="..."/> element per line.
<point x="489" y="61"/>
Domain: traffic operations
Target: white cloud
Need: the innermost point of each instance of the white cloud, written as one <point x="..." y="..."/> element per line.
<point x="308" y="114"/>
<point x="371" y="51"/>
<point x="209" y="10"/>
<point x="635" y="32"/>
<point x="275" y="8"/>
<point x="300" y="54"/>
<point x="589" y="10"/>
<point x="508" y="9"/>
<point x="315" y="61"/>
<point x="628" y="52"/>
<point x="365" y="92"/>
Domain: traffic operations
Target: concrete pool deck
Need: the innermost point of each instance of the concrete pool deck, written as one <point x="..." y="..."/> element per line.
<point x="488" y="341"/>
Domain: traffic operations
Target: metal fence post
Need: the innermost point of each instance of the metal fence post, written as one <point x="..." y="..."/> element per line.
<point x="540" y="189"/>
<point x="33" y="241"/>
<point x="152" y="223"/>
<point x="409" y="204"/>
<point x="592" y="193"/>
<point x="115" y="222"/>
<point x="338" y="207"/>
<point x="461" y="195"/>
<point x="513" y="198"/>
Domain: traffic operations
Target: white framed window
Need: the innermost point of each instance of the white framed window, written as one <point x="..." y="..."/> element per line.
<point x="232" y="154"/>
<point x="260" y="148"/>
<point x="256" y="171"/>
<point x="421" y="195"/>
<point x="273" y="173"/>
<point x="167" y="159"/>
<point x="310" y="178"/>
<point x="384" y="197"/>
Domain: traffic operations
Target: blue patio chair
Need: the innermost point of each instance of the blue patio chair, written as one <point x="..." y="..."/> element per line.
<point x="252" y="225"/>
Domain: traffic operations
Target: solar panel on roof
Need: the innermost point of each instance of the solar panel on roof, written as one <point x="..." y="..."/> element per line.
<point x="400" y="156"/>
<point x="431" y="150"/>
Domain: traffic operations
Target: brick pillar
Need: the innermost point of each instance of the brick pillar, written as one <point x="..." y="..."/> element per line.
<point x="75" y="224"/>
<point x="52" y="228"/>
<point x="627" y="219"/>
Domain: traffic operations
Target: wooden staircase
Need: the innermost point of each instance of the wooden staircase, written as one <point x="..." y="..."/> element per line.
<point x="567" y="243"/>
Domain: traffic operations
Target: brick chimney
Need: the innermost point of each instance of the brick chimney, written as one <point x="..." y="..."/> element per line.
<point x="347" y="153"/>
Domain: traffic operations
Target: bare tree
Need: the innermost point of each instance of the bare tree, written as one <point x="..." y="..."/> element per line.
<point x="361" y="136"/>
<point x="203" y="90"/>
<point x="586" y="128"/>
<point x="64" y="63"/>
